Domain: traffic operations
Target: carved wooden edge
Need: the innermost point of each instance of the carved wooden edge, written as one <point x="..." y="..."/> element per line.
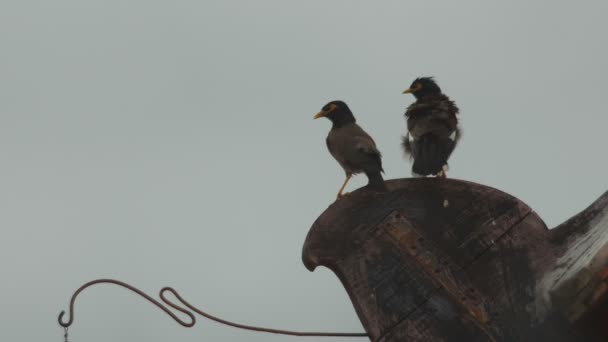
<point x="579" y="223"/>
<point x="575" y="276"/>
<point x="579" y="279"/>
<point x="331" y="232"/>
<point x="393" y="190"/>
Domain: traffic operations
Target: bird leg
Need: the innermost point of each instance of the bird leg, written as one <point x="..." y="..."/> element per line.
<point x="343" y="185"/>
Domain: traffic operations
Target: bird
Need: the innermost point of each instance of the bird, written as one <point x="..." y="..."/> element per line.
<point x="351" y="146"/>
<point x="432" y="128"/>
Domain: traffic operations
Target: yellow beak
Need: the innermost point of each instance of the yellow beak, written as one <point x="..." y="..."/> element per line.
<point x="320" y="114"/>
<point x="408" y="91"/>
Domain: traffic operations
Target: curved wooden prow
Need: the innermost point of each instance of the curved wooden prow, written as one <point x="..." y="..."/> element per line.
<point x="446" y="260"/>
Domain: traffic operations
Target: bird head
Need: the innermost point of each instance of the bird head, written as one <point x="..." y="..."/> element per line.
<point x="423" y="86"/>
<point x="338" y="112"/>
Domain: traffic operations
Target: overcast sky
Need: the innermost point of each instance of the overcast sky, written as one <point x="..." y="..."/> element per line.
<point x="171" y="143"/>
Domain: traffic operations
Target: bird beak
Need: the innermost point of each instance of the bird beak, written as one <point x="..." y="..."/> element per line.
<point x="326" y="112"/>
<point x="413" y="89"/>
<point x="320" y="114"/>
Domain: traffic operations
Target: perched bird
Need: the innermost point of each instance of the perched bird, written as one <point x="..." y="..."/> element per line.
<point x="348" y="143"/>
<point x="432" y="128"/>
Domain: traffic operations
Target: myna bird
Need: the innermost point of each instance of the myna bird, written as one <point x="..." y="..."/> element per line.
<point x="348" y="143"/>
<point x="432" y="128"/>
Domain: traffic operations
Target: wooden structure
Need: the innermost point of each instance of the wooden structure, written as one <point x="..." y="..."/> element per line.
<point x="447" y="260"/>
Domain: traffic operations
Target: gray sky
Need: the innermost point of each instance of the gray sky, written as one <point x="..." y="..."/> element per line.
<point x="172" y="143"/>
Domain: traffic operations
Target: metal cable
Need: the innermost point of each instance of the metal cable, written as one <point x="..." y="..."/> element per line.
<point x="189" y="313"/>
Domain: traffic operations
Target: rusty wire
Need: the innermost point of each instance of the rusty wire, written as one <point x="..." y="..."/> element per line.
<point x="166" y="301"/>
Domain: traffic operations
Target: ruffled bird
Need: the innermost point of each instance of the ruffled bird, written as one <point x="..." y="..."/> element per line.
<point x="432" y="128"/>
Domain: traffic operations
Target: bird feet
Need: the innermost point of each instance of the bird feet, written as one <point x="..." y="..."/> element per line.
<point x="442" y="174"/>
<point x="444" y="171"/>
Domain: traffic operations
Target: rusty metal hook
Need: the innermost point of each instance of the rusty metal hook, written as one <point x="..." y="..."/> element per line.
<point x="136" y="290"/>
<point x="188" y="313"/>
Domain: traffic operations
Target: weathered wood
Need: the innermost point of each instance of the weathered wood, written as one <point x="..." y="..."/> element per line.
<point x="578" y="283"/>
<point x="447" y="260"/>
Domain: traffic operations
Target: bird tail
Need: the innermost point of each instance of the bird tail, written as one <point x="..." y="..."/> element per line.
<point x="375" y="178"/>
<point x="431" y="154"/>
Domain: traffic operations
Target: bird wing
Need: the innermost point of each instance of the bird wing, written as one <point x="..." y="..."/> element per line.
<point x="437" y="117"/>
<point x="353" y="148"/>
<point x="367" y="147"/>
